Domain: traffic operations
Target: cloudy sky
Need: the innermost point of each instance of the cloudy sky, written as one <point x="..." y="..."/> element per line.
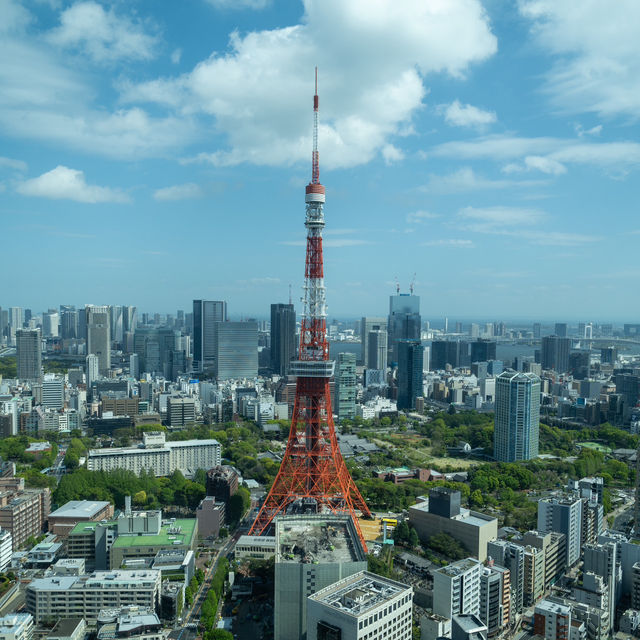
<point x="152" y="153"/>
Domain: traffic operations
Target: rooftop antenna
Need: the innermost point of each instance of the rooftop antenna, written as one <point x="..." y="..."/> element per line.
<point x="413" y="282"/>
<point x="397" y="284"/>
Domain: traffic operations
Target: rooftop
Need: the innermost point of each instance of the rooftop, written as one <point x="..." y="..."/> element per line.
<point x="65" y="628"/>
<point x="459" y="567"/>
<point x="359" y="593"/>
<point x="178" y="533"/>
<point x="317" y="539"/>
<point x="9" y="622"/>
<point x="79" y="509"/>
<point x="89" y="527"/>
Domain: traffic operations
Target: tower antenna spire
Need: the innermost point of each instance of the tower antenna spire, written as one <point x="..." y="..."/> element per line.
<point x="315" y="156"/>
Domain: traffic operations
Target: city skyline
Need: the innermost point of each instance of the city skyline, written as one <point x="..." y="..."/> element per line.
<point x="168" y="146"/>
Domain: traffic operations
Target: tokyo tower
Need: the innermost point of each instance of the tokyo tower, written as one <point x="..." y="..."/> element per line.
<point x="313" y="475"/>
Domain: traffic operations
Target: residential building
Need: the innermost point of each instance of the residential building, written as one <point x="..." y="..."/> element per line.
<point x="367" y="325"/>
<point x="555" y="353"/>
<point x="553" y="545"/>
<point x="533" y="585"/>
<point x="206" y="315"/>
<point x="63" y="520"/>
<point x="6" y="549"/>
<point x="456" y="588"/>
<point x="16" y="626"/>
<point x="283" y="337"/>
<point x="210" y="517"/>
<point x="552" y="621"/>
<point x="28" y="354"/>
<point x="345" y="377"/>
<point x="236" y="350"/>
<point x="410" y="363"/>
<point x="92" y="369"/>
<point x="312" y="552"/>
<point x="563" y="515"/>
<point x="222" y="482"/>
<point x="517" y="416"/>
<point x="511" y="556"/>
<point x="158" y="455"/>
<point x="99" y="336"/>
<point x="495" y="598"/>
<point x="363" y="605"/>
<point x="442" y="513"/>
<point x="404" y="321"/>
<point x="55" y="597"/>
<point x="23" y="513"/>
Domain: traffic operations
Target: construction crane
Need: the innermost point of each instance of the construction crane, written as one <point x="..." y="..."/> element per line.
<point x="412" y="285"/>
<point x="397" y="285"/>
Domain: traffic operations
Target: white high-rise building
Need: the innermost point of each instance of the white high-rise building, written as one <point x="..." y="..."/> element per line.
<point x="50" y="324"/>
<point x="361" y="606"/>
<point x="53" y="391"/>
<point x="92" y="369"/>
<point x="563" y="516"/>
<point x="456" y="588"/>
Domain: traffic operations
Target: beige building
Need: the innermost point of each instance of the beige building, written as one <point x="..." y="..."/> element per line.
<point x="24" y="513"/>
<point x="442" y="513"/>
<point x="533" y="588"/>
<point x="553" y="546"/>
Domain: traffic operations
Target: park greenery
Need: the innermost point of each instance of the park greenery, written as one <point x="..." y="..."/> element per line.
<point x="209" y="610"/>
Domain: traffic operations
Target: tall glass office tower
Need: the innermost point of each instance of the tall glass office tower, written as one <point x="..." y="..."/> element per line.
<point x="206" y="315"/>
<point x="404" y="321"/>
<point x="517" y="417"/>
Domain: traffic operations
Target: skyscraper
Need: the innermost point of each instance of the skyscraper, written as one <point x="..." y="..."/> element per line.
<point x="404" y="321"/>
<point x="50" y="323"/>
<point x="16" y="317"/>
<point x="483" y="350"/>
<point x="377" y="350"/>
<point x="517" y="417"/>
<point x="561" y="329"/>
<point x="68" y="322"/>
<point x="99" y="336"/>
<point x="346" y="386"/>
<point x="92" y="365"/>
<point x="555" y="353"/>
<point x="236" y="350"/>
<point x="154" y="346"/>
<point x="134" y="365"/>
<point x="206" y="313"/>
<point x="410" y="361"/>
<point x="28" y="354"/>
<point x="367" y="325"/>
<point x="283" y="337"/>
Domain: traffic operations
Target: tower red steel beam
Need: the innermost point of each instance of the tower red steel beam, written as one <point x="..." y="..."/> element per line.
<point x="312" y="467"/>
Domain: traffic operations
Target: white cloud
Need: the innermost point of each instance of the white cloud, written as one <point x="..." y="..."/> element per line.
<point x="596" y="44"/>
<point x="259" y="92"/>
<point x="495" y="218"/>
<point x="517" y="223"/>
<point x="63" y="183"/>
<point x="543" y="153"/>
<point x="10" y="163"/>
<point x="450" y="242"/>
<point x="239" y="4"/>
<point x="466" y="115"/>
<point x="391" y="154"/>
<point x="417" y="217"/>
<point x="176" y="56"/>
<point x="178" y="192"/>
<point x="102" y="35"/>
<point x="466" y="179"/>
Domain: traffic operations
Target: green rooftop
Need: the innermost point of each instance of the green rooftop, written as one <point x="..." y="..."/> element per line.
<point x="89" y="527"/>
<point x="164" y="538"/>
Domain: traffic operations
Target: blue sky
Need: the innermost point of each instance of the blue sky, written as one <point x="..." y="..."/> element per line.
<point x="152" y="153"/>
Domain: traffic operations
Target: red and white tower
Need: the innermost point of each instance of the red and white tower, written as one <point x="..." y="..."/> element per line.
<point x="313" y="474"/>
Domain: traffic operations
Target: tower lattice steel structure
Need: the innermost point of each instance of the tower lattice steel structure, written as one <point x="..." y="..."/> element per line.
<point x="313" y="472"/>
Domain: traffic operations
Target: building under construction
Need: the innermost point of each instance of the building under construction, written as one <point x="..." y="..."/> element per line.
<point x="312" y="552"/>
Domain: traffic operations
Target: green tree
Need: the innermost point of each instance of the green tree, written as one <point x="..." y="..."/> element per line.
<point x="414" y="540"/>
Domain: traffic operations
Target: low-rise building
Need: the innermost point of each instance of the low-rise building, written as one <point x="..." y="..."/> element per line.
<point x="55" y="597"/>
<point x="63" y="520"/>
<point x="442" y="513"/>
<point x="255" y="548"/>
<point x="16" y="626"/>
<point x="68" y="629"/>
<point x="158" y="455"/>
<point x="134" y="623"/>
<point x="6" y="547"/>
<point x="363" y="605"/>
